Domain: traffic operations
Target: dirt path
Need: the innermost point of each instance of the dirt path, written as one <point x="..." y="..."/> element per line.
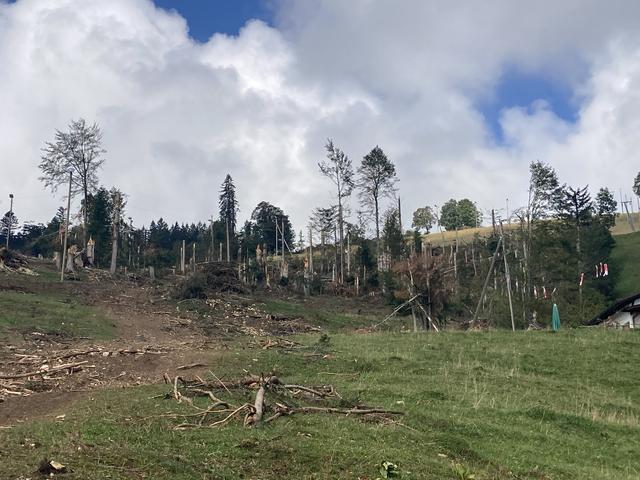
<point x="154" y="336"/>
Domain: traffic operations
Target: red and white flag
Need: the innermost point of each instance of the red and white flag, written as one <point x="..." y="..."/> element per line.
<point x="581" y="279"/>
<point x="605" y="271"/>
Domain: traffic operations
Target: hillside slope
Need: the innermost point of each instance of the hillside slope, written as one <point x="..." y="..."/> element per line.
<point x="626" y="257"/>
<point x="465" y="236"/>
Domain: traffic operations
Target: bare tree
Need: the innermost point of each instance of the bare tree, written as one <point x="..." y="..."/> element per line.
<point x="79" y="150"/>
<point x="377" y="178"/>
<point x="338" y="169"/>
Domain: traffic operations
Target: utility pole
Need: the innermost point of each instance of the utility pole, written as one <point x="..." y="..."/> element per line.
<point x="66" y="230"/>
<point x="508" y="216"/>
<point x="486" y="280"/>
<point x="629" y="218"/>
<point x="213" y="248"/>
<point x="114" y="233"/>
<point x="276" y="254"/>
<point x="493" y="220"/>
<point x="10" y="220"/>
<point x="311" y="249"/>
<point x="183" y="257"/>
<point x="507" y="277"/>
<point x="348" y="252"/>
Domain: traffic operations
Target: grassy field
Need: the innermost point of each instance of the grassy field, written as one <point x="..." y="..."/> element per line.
<point x="491" y="405"/>
<point x="626" y="257"/>
<point x="323" y="312"/>
<point x="465" y="236"/>
<point x="50" y="314"/>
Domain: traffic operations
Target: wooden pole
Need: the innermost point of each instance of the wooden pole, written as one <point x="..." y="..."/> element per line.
<point x="114" y="235"/>
<point x="213" y="246"/>
<point x="507" y="277"/>
<point x="276" y="254"/>
<point x="486" y="280"/>
<point x="348" y="253"/>
<point x="311" y="249"/>
<point x="66" y="230"/>
<point x="183" y="255"/>
<point x="10" y="220"/>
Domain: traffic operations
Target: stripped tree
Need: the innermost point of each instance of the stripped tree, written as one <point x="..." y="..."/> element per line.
<point x="337" y="167"/>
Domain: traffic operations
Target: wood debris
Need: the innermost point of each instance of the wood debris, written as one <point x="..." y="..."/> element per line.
<point x="287" y="401"/>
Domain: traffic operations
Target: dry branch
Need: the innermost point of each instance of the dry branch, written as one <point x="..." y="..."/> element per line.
<point x="68" y="366"/>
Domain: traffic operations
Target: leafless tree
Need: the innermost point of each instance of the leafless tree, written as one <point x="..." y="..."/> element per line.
<point x="80" y="151"/>
<point x="337" y="167"/>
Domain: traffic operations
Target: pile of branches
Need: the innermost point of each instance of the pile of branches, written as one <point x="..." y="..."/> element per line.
<point x="222" y="277"/>
<point x="22" y="384"/>
<point x="13" y="262"/>
<point x="212" y="277"/>
<point x="28" y="373"/>
<point x="287" y="401"/>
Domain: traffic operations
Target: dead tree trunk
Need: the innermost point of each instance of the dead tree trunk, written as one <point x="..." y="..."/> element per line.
<point x="114" y="234"/>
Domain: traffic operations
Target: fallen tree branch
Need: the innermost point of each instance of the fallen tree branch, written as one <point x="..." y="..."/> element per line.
<point x="191" y="365"/>
<point x="283" y="410"/>
<point x="68" y="366"/>
<point x="254" y="418"/>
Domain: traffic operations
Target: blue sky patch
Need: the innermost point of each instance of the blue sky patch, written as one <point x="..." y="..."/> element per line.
<point x="206" y="17"/>
<point x="518" y="89"/>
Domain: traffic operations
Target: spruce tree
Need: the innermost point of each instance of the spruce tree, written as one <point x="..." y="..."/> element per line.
<point x="228" y="204"/>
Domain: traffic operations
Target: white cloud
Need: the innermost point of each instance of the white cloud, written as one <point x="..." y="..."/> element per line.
<point x="178" y="115"/>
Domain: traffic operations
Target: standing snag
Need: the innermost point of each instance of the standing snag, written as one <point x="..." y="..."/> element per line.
<point x="338" y="169"/>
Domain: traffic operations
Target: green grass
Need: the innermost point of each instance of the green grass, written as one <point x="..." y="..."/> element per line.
<point x="626" y="257"/>
<point x="50" y="314"/>
<point x="466" y="235"/>
<point x="324" y="312"/>
<point x="531" y="405"/>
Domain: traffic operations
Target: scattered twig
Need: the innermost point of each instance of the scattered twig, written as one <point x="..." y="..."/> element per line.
<point x="191" y="365"/>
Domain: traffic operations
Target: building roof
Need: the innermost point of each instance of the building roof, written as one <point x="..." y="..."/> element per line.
<point x="616" y="307"/>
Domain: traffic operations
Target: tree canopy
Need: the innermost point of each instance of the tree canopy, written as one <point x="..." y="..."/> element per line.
<point x="459" y="214"/>
<point x="78" y="151"/>
<point x="423" y="219"/>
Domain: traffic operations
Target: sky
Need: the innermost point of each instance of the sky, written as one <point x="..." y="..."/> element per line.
<point x="461" y="96"/>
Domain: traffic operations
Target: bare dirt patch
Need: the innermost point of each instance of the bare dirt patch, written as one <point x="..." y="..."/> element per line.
<point x="154" y="335"/>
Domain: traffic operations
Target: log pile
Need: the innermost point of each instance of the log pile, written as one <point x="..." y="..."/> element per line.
<point x="288" y="399"/>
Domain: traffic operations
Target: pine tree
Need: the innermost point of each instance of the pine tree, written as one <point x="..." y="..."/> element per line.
<point x="228" y="204"/>
<point x="99" y="212"/>
<point x="264" y="219"/>
<point x="636" y="185"/>
<point x="606" y="207"/>
<point x="392" y="234"/>
<point x="377" y="177"/>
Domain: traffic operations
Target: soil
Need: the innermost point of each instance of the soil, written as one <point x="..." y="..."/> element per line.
<point x="154" y="335"/>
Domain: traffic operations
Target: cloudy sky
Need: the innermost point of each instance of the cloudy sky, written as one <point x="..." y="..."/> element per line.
<point x="462" y="96"/>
